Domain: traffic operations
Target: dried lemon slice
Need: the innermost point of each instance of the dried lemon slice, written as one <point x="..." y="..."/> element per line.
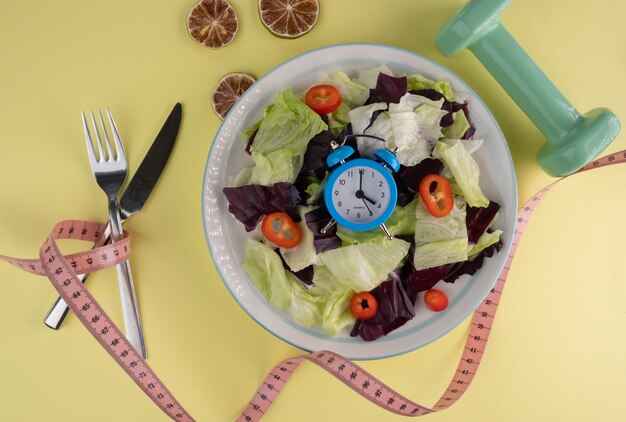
<point x="212" y="23"/>
<point x="289" y="18"/>
<point x="228" y="90"/>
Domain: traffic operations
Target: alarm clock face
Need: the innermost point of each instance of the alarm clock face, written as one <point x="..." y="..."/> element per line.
<point x="361" y="194"/>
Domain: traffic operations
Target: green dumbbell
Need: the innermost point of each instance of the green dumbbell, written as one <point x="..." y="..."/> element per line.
<point x="573" y="139"/>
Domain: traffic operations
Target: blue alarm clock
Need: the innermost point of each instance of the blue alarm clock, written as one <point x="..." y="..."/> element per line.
<point x="361" y="193"/>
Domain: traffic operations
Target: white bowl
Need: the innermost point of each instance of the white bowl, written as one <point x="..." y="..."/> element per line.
<point x="226" y="236"/>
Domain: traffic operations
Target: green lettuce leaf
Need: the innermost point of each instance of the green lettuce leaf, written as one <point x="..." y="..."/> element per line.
<point x="440" y="240"/>
<point x="265" y="269"/>
<point x="353" y="94"/>
<point x="409" y="102"/>
<point x="335" y="305"/>
<point x="429" y="118"/>
<point x="363" y="267"/>
<point x="464" y="169"/>
<point x="336" y="313"/>
<point x="368" y="77"/>
<point x="360" y="117"/>
<point x="417" y="82"/>
<point x="277" y="166"/>
<point x="242" y="178"/>
<point x="439" y="253"/>
<point x="381" y="127"/>
<point x="411" y="148"/>
<point x="401" y="222"/>
<point x="339" y="119"/>
<point x="303" y="254"/>
<point x="429" y="228"/>
<point x="326" y="303"/>
<point x="315" y="190"/>
<point x="248" y="133"/>
<point x="283" y="135"/>
<point x="415" y="121"/>
<point x="484" y="241"/>
<point x="305" y="308"/>
<point x="471" y="145"/>
<point x="459" y="126"/>
<point x="324" y="283"/>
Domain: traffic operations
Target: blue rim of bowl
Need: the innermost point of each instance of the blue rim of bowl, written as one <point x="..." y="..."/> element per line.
<point x="506" y="249"/>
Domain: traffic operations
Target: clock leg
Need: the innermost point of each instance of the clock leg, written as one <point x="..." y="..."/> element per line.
<point x="328" y="226"/>
<point x="386" y="231"/>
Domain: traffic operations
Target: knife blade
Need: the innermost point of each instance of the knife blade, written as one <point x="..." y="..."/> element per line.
<point x="144" y="180"/>
<point x="136" y="193"/>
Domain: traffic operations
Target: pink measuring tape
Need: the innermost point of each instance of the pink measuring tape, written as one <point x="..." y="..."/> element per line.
<point x="62" y="270"/>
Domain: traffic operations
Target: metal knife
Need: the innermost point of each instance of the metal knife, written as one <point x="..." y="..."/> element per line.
<point x="135" y="195"/>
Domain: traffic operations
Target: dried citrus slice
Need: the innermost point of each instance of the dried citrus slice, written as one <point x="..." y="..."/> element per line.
<point x="212" y="23"/>
<point x="228" y="90"/>
<point x="289" y="18"/>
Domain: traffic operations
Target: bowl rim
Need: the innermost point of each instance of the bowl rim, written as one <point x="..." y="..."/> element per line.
<point x="505" y="250"/>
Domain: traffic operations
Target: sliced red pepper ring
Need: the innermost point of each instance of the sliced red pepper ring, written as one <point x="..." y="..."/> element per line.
<point x="323" y="99"/>
<point x="363" y="305"/>
<point x="279" y="228"/>
<point x="436" y="193"/>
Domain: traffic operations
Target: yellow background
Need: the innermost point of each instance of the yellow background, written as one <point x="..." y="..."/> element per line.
<point x="557" y="350"/>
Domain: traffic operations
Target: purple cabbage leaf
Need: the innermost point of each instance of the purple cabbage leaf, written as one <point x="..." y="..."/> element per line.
<point x="250" y="203"/>
<point x="394" y="310"/>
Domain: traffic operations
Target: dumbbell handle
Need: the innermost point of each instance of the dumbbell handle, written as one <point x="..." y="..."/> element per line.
<point x="573" y="139"/>
<point x="527" y="85"/>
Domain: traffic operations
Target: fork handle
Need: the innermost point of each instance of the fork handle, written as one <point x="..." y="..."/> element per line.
<point x="115" y="219"/>
<point x="57" y="313"/>
<point x="130" y="308"/>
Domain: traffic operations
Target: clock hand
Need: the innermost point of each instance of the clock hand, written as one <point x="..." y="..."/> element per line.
<point x="361" y="180"/>
<point x="365" y="198"/>
<point x="361" y="195"/>
<point x="368" y="208"/>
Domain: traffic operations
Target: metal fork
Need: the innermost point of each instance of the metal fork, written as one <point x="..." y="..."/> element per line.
<point x="110" y="172"/>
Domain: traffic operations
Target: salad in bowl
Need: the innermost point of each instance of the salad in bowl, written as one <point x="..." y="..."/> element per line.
<point x="363" y="293"/>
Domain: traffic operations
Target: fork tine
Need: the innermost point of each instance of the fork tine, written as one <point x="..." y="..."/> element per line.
<point x="116" y="136"/>
<point x="101" y="156"/>
<point x="90" y="151"/>
<point x="106" y="137"/>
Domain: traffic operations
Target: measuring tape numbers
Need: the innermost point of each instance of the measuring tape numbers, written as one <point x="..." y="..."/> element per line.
<point x="62" y="271"/>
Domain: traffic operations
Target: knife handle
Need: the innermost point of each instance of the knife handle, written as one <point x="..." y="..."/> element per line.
<point x="57" y="313"/>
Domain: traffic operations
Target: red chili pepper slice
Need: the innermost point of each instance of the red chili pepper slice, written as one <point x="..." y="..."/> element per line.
<point x="436" y="193"/>
<point x="363" y="305"/>
<point x="323" y="99"/>
<point x="279" y="228"/>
